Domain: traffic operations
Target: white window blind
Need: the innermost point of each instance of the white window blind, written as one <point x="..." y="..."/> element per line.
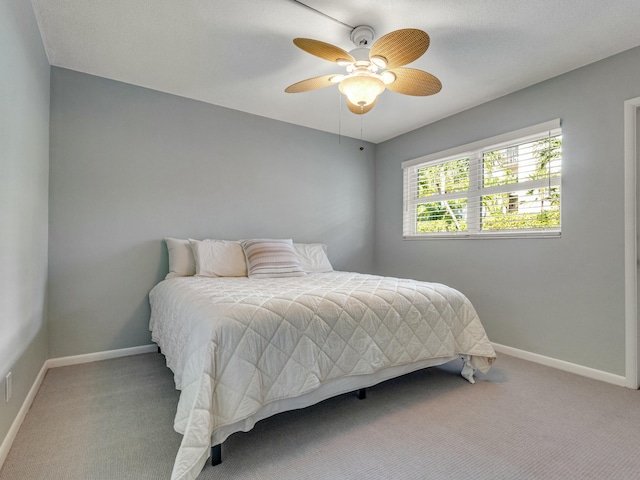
<point x="507" y="185"/>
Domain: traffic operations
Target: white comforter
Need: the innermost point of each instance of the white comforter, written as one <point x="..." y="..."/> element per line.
<point x="237" y="344"/>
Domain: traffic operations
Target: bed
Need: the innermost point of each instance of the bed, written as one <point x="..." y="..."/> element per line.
<point x="245" y="347"/>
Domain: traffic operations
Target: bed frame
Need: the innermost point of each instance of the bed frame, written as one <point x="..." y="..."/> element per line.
<point x="362" y="382"/>
<point x="358" y="384"/>
<point x="216" y="450"/>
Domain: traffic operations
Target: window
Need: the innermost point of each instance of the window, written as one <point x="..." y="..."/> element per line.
<point x="505" y="186"/>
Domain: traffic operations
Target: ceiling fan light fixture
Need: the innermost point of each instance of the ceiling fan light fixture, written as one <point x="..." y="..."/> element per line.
<point x="362" y="90"/>
<point x="388" y="77"/>
<point x="379" y="61"/>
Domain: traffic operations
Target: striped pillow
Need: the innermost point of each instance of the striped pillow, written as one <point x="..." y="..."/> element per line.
<point x="268" y="258"/>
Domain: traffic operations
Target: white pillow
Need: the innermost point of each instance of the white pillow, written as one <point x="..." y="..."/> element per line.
<point x="218" y="258"/>
<point x="313" y="257"/>
<point x="181" y="261"/>
<point x="268" y="258"/>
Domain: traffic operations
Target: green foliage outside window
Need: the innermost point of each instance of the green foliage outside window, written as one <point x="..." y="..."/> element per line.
<point x="537" y="208"/>
<point x="520" y="210"/>
<point x="443" y="178"/>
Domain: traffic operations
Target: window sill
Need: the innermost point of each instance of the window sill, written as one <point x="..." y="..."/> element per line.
<point x="482" y="236"/>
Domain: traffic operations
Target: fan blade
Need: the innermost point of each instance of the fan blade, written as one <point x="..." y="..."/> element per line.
<point x="310" y="84"/>
<point x="411" y="81"/>
<point x="323" y="50"/>
<point x="401" y="47"/>
<point x="358" y="110"/>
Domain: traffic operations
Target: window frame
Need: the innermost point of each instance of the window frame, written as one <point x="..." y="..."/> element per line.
<point x="474" y="151"/>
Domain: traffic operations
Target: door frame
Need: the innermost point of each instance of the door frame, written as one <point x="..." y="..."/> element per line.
<point x="631" y="194"/>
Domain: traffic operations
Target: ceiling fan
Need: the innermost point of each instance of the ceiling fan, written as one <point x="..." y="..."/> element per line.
<point x="369" y="71"/>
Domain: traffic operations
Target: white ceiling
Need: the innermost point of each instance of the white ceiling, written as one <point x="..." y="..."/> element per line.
<point x="239" y="53"/>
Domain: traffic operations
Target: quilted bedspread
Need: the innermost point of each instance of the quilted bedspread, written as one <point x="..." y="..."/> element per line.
<point x="237" y="344"/>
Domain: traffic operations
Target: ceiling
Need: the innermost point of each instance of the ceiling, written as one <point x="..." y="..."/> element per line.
<point x="239" y="53"/>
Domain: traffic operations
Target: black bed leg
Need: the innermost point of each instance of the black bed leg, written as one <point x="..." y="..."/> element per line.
<point x="362" y="394"/>
<point x="216" y="455"/>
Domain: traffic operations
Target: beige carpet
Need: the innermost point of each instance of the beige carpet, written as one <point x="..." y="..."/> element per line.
<point x="113" y="420"/>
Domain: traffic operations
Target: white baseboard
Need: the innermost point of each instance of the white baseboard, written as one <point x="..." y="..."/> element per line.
<point x="22" y="413"/>
<point x="94" y="357"/>
<point x="562" y="365"/>
<point x="61" y="362"/>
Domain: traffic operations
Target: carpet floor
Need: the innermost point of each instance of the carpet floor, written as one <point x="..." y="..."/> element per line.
<point x="113" y="420"/>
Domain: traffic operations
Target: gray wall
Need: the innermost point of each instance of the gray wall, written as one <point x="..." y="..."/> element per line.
<point x="24" y="167"/>
<point x="562" y="298"/>
<point x="130" y="166"/>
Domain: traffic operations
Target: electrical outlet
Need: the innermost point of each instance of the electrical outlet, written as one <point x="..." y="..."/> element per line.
<point x="8" y="388"/>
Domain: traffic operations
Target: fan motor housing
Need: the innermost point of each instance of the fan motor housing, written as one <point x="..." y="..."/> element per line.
<point x="362" y="36"/>
<point x="361" y="54"/>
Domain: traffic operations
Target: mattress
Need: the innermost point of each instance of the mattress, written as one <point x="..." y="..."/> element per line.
<point x="243" y="348"/>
